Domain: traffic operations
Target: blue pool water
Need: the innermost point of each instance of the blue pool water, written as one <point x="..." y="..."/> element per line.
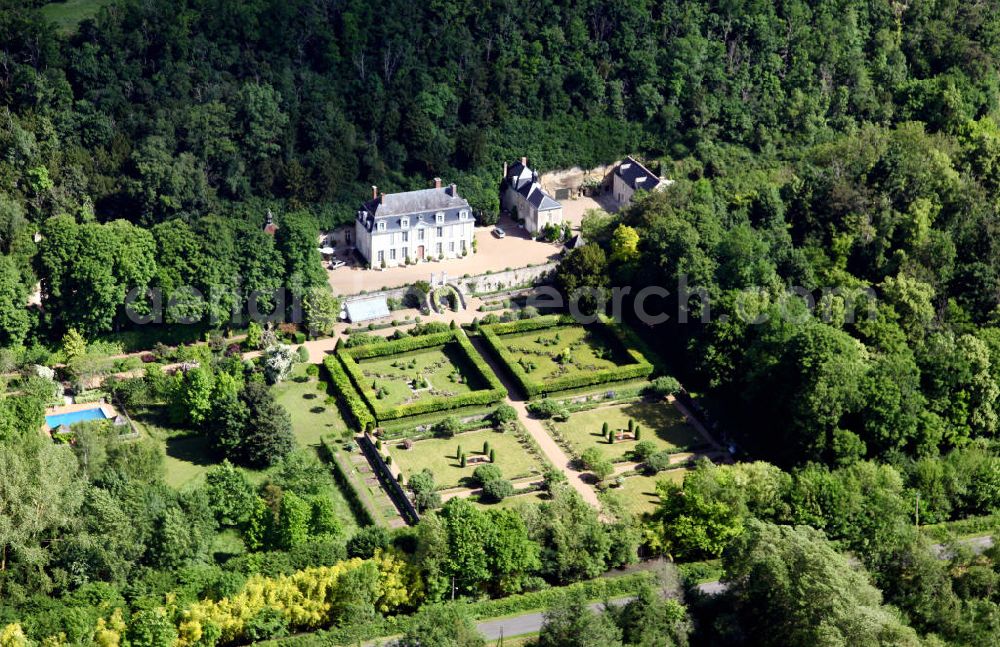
<point x="75" y="417"/>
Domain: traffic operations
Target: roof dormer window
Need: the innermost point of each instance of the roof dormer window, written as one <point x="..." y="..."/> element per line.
<point x="439" y="217"/>
<point x="380" y="225"/>
<point x="404" y="223"/>
<point x="463" y="214"/>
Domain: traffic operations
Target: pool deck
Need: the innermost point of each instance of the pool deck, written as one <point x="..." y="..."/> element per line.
<point x="107" y="409"/>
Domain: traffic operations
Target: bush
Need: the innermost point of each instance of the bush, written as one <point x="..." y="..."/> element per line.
<point x="657" y="462"/>
<point x="302" y="354"/>
<point x="503" y="414"/>
<point x="497" y="490"/>
<point x="486" y="473"/>
<point x="342" y="384"/>
<point x="548" y="409"/>
<point x="664" y="385"/>
<point x="643" y="450"/>
<point x="448" y="427"/>
<point x="366" y="541"/>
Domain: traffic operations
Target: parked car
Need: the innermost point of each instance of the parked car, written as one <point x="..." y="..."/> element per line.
<point x="498" y="232"/>
<point x="337" y="264"/>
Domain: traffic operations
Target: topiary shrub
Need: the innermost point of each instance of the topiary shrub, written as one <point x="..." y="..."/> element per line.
<point x="448" y="427"/>
<point x="503" y="415"/>
<point x="483" y="474"/>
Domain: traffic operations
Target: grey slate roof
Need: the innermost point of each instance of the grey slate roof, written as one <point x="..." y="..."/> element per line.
<point x="420" y="206"/>
<point x="525" y="181"/>
<point x="637" y="176"/>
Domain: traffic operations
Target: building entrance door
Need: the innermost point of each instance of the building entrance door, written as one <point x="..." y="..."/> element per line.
<point x="420" y="252"/>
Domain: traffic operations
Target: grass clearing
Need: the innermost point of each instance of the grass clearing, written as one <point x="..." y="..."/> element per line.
<point x="659" y="423"/>
<point x="69" y="14"/>
<point x="638" y="493"/>
<point x="439" y="455"/>
<point x="305" y="399"/>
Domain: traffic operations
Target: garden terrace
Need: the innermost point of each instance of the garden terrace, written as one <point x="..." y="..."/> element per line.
<point x="512" y="453"/>
<point x="554" y="353"/>
<point x="413" y="376"/>
<point x="658" y="422"/>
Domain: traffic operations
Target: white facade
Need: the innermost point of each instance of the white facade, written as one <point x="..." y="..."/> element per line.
<point x="416" y="243"/>
<point x="429" y="224"/>
<point x="631" y="176"/>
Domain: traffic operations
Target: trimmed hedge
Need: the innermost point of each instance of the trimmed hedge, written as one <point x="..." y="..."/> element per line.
<point x="348" y="393"/>
<point x="640" y="367"/>
<point x="493" y="393"/>
<point x="363" y="509"/>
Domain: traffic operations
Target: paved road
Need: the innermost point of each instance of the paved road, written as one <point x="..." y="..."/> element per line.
<point x="530" y="623"/>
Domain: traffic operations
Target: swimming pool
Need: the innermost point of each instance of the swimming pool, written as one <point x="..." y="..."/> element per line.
<point x="76" y="416"/>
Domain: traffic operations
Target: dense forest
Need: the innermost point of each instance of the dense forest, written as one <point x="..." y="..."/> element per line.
<point x="847" y="149"/>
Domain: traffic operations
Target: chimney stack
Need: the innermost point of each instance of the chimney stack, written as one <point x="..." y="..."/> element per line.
<point x="374" y="192"/>
<point x="524" y="161"/>
<point x="454" y="191"/>
<point x="437" y="183"/>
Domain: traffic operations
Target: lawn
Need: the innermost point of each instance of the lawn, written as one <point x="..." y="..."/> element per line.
<point x="561" y="351"/>
<point x="439" y="455"/>
<point x="407" y="377"/>
<point x="638" y="493"/>
<point x="67" y="15"/>
<point x="659" y="422"/>
<point x="305" y="399"/>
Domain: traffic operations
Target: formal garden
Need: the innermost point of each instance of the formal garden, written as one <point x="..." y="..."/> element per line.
<point x="616" y="430"/>
<point x="637" y="492"/>
<point x="412" y="376"/>
<point x="452" y="460"/>
<point x="553" y="353"/>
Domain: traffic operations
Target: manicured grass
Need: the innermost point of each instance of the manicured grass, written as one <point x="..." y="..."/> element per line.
<point x="69" y="14"/>
<point x="438" y="454"/>
<point x="305" y="399"/>
<point x="659" y="423"/>
<point x="638" y="493"/>
<point x="397" y="376"/>
<point x="187" y="456"/>
<point x="540" y="352"/>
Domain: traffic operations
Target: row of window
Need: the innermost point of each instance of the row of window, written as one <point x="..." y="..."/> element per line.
<point x="402" y="252"/>
<point x="438" y="219"/>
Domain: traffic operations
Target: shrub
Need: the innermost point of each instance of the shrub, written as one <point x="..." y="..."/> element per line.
<point x="657" y="462"/>
<point x="643" y="450"/>
<point x="493" y="455"/>
<point x="448" y="427"/>
<point x="312" y="370"/>
<point x="605" y="429"/>
<point x="302" y="354"/>
<point x="548" y="409"/>
<point x="637" y="432"/>
<point x="486" y="473"/>
<point x="664" y="385"/>
<point x="504" y="414"/>
<point x="461" y="460"/>
<point x="497" y="490"/>
<point x="486" y="447"/>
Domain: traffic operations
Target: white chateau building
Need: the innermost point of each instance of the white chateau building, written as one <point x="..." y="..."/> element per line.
<point x="415" y="225"/>
<point x="521" y="193"/>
